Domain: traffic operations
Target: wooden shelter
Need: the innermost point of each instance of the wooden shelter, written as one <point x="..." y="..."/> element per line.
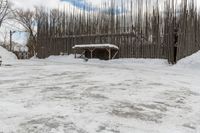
<point x="101" y="51"/>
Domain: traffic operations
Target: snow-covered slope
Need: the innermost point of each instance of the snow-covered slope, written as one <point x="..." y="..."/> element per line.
<point x="129" y="62"/>
<point x="6" y="55"/>
<point x="192" y="61"/>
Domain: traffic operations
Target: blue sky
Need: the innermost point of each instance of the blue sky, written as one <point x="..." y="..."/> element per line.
<point x="88" y="5"/>
<point x="78" y="3"/>
<point x="81" y="4"/>
<point x="91" y="6"/>
<point x="55" y="3"/>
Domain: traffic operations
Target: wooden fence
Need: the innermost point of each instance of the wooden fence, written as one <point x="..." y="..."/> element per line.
<point x="172" y="33"/>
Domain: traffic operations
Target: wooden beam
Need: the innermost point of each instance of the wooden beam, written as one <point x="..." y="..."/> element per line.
<point x="75" y="54"/>
<point x="115" y="54"/>
<point x="109" y="53"/>
<point x="83" y="53"/>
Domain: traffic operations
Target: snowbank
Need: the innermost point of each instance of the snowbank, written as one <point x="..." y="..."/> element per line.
<point x="63" y="59"/>
<point x="126" y="62"/>
<point x="192" y="61"/>
<point x="6" y="55"/>
<point x="142" y="61"/>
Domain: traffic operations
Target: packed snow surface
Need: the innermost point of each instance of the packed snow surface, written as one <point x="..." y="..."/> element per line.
<point x="65" y="95"/>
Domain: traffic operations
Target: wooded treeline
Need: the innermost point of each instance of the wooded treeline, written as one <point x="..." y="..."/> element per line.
<point x="140" y="28"/>
<point x="4" y="10"/>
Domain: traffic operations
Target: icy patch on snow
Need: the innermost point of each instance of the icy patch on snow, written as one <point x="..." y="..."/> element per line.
<point x="7" y="56"/>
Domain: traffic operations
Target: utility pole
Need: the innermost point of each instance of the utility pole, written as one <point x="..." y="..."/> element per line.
<point x="10" y="40"/>
<point x="11" y="33"/>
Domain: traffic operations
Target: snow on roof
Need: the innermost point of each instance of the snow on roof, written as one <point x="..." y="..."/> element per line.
<point x="96" y="46"/>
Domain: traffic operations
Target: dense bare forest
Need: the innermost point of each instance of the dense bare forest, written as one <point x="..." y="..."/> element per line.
<point x="140" y="28"/>
<point x="4" y="10"/>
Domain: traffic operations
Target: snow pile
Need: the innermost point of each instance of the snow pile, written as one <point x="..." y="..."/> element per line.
<point x="69" y="59"/>
<point x="141" y="61"/>
<point x="6" y="55"/>
<point x="192" y="61"/>
<point x="63" y="59"/>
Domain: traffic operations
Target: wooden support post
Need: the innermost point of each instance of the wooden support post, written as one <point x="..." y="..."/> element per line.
<point x="115" y="54"/>
<point x="82" y="54"/>
<point x="175" y="55"/>
<point x="91" y="53"/>
<point x="109" y="53"/>
<point x="75" y="53"/>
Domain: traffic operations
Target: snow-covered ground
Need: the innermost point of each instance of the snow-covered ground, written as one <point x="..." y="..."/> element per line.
<point x="65" y="95"/>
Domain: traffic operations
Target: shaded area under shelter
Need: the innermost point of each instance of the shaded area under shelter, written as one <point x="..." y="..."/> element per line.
<point x="100" y="51"/>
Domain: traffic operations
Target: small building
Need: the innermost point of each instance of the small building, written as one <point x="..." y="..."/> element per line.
<point x="100" y="51"/>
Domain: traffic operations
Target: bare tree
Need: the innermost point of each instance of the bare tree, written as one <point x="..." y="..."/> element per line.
<point x="28" y="19"/>
<point x="4" y="10"/>
<point x="5" y="36"/>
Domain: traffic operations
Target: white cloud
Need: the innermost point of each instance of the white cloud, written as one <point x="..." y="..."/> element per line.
<point x="29" y="4"/>
<point x="13" y="26"/>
